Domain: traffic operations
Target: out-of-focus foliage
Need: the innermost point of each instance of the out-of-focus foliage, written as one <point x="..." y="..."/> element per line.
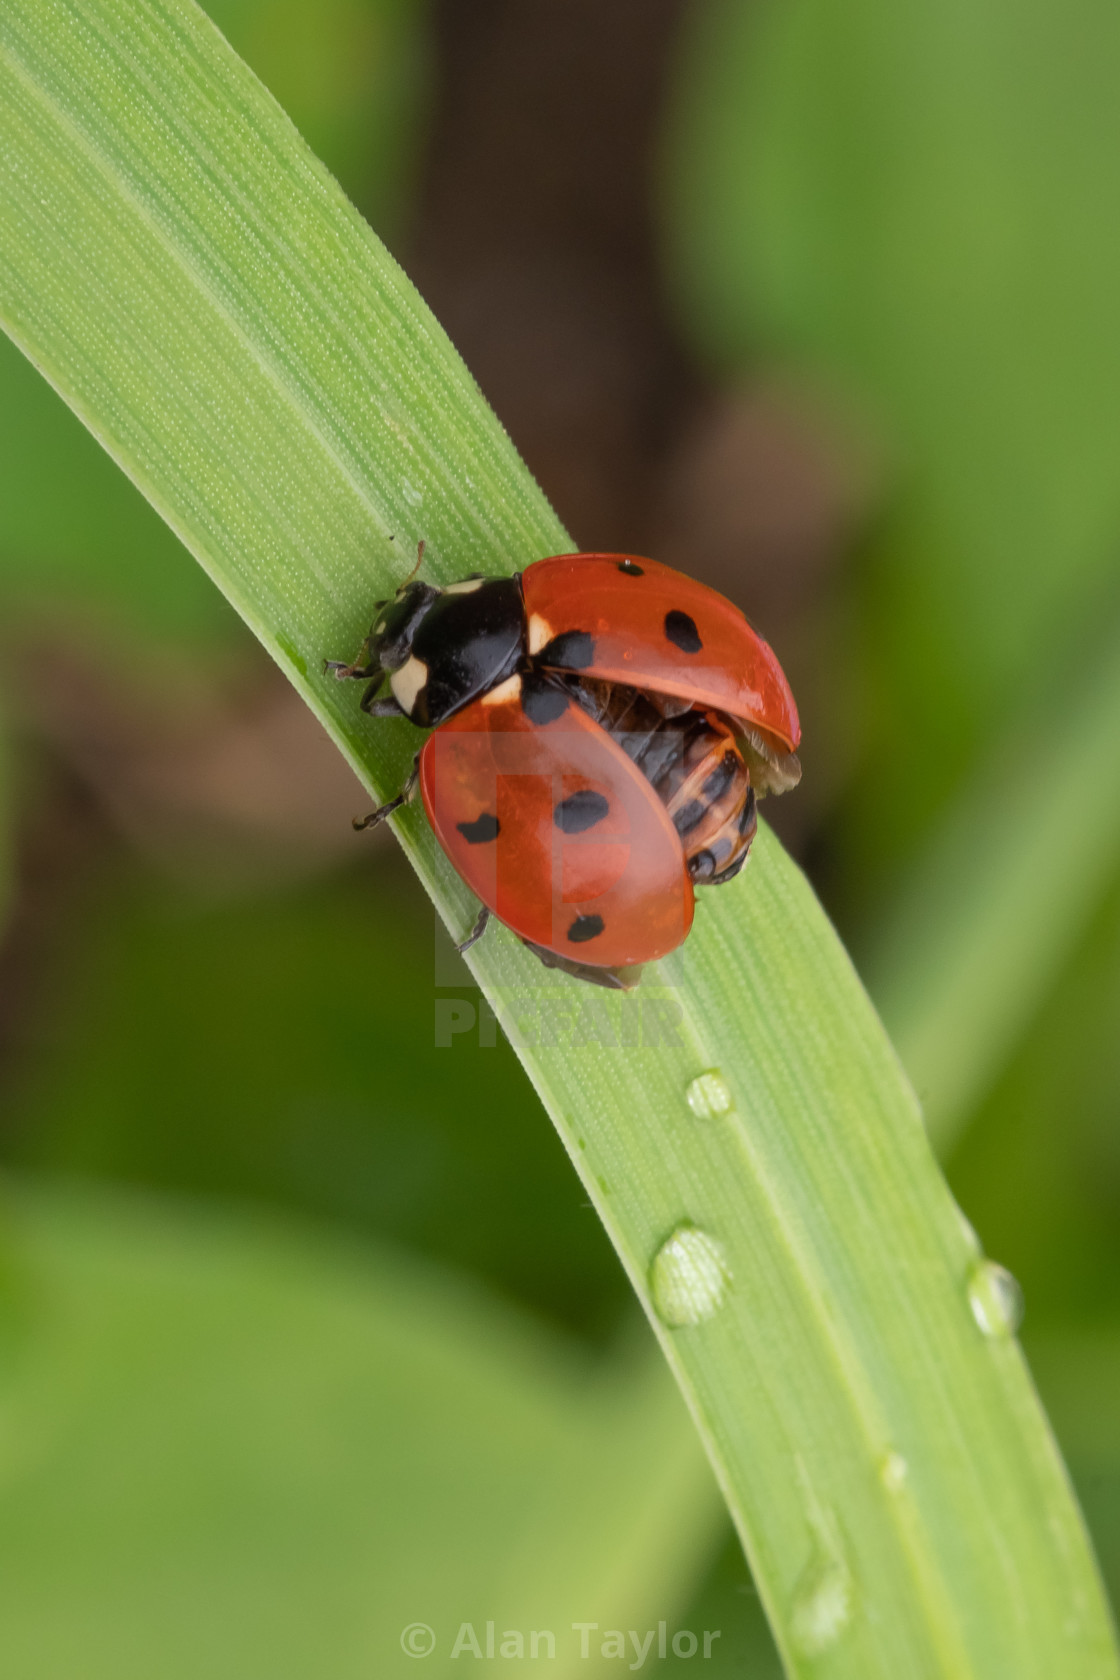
<point x="911" y="201"/>
<point x="280" y="1047"/>
<point x="1078" y="1370"/>
<point x="237" y="1451"/>
<point x="6" y="822"/>
<point x="1002" y="893"/>
<point x="906" y="205"/>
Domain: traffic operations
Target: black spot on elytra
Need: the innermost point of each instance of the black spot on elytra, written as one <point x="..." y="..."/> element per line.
<point x="585" y="928"/>
<point x="631" y="568"/>
<point x="682" y="632"/>
<point x="580" y="811"/>
<point x="573" y="650"/>
<point x="689" y="815"/>
<point x="720" y="779"/>
<point x="541" y="701"/>
<point x="486" y="827"/>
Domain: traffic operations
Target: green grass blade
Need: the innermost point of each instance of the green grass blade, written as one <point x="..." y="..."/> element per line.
<point x="976" y="937"/>
<point x="201" y="293"/>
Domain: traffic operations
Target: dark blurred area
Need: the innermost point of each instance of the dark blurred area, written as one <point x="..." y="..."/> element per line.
<point x="780" y="308"/>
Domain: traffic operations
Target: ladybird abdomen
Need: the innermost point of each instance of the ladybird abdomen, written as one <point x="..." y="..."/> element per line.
<point x="712" y="805"/>
<point x="695" y="762"/>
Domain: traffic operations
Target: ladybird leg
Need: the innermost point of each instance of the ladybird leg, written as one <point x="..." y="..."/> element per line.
<point x="341" y="671"/>
<point x="363" y="666"/>
<point x="403" y="797"/>
<point x="476" y="932"/>
<point x="615" y="979"/>
<point x="386" y="706"/>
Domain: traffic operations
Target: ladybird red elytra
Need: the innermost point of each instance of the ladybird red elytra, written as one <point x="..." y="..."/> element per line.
<point x="602" y="727"/>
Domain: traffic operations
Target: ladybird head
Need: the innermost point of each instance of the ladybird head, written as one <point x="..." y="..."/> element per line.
<point x="397" y="621"/>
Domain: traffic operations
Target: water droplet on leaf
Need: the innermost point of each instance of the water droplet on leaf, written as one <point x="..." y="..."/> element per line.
<point x="995" y="1298"/>
<point x="822" y="1607"/>
<point x="893" y="1471"/>
<point x="689" y="1277"/>
<point x="709" y="1096"/>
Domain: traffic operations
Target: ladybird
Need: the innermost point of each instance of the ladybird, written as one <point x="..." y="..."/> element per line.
<point x="601" y="729"/>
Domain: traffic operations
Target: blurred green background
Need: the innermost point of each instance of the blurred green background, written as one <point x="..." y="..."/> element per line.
<point x="306" y="1332"/>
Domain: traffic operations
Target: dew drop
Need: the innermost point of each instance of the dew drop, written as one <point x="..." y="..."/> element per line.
<point x="822" y="1607"/>
<point x="689" y="1277"/>
<point x="709" y="1096"/>
<point x="995" y="1298"/>
<point x="893" y="1471"/>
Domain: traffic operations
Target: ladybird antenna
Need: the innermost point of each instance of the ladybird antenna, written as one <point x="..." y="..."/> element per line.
<point x="420" y="547"/>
